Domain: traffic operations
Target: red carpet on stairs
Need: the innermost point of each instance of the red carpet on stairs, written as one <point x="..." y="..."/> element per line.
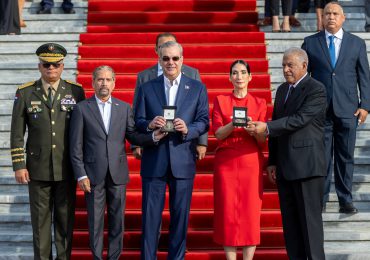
<point x="214" y="33"/>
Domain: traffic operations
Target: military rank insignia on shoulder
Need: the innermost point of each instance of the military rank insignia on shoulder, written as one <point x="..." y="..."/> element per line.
<point x="28" y="84"/>
<point x="73" y="83"/>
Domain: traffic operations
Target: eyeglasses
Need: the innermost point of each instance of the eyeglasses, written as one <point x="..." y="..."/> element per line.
<point x="55" y="65"/>
<point x="166" y="58"/>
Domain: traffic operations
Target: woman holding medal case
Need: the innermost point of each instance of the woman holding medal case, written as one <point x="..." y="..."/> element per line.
<point x="238" y="183"/>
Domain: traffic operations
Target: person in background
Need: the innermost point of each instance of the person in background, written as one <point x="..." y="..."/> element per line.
<point x="367" y="15"/>
<point x="20" y="7"/>
<point x="287" y="11"/>
<point x="9" y="17"/>
<point x="238" y="184"/>
<point x="44" y="107"/>
<point x="294" y="22"/>
<point x="338" y="59"/>
<point x="46" y="5"/>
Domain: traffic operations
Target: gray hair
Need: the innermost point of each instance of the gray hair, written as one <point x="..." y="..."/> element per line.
<point x="334" y="3"/>
<point x="170" y="44"/>
<point x="298" y="52"/>
<point x="103" y="67"/>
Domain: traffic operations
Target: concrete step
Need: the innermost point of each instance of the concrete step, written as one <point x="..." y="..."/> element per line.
<point x="31" y="47"/>
<point x="20" y="78"/>
<point x="39" y="38"/>
<point x="29" y="66"/>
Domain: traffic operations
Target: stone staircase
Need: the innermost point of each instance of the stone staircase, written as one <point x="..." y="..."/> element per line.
<point x="18" y="64"/>
<point x="346" y="236"/>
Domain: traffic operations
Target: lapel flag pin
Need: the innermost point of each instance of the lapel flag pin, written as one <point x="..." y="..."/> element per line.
<point x="187" y="87"/>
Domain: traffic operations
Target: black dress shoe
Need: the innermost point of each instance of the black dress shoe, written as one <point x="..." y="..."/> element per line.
<point x="69" y="11"/>
<point x="44" y="11"/>
<point x="348" y="208"/>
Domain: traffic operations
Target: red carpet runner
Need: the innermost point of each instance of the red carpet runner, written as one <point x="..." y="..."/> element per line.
<point x="122" y="34"/>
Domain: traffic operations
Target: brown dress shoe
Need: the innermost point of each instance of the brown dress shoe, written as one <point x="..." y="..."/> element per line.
<point x="294" y="21"/>
<point x="265" y="21"/>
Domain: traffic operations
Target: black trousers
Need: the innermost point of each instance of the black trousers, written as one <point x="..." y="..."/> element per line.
<point x="301" y="205"/>
<point x="286" y="6"/>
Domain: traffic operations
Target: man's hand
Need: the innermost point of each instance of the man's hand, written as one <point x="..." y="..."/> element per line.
<point x="180" y="126"/>
<point x="256" y="127"/>
<point x="22" y="176"/>
<point x="157" y="122"/>
<point x="85" y="185"/>
<point x="201" y="151"/>
<point x="137" y="152"/>
<point x="158" y="134"/>
<point x="271" y="170"/>
<point x="361" y="115"/>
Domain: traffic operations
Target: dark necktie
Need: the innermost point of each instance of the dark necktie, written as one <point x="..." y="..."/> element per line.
<point x="50" y="95"/>
<point x="332" y="50"/>
<point x="291" y="88"/>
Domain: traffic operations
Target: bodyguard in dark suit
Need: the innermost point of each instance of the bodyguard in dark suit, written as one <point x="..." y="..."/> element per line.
<point x="44" y="107"/>
<point x="98" y="131"/>
<point x="154" y="72"/>
<point x="338" y="59"/>
<point x="172" y="160"/>
<point x="296" y="156"/>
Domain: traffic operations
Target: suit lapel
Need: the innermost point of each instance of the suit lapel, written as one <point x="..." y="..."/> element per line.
<point x="93" y="106"/>
<point x="114" y="115"/>
<point x="182" y="92"/>
<point x="280" y="99"/>
<point x="292" y="101"/>
<point x="158" y="89"/>
<point x="324" y="46"/>
<point x="343" y="46"/>
<point x="40" y="93"/>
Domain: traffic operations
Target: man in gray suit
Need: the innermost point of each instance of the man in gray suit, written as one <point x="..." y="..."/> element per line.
<point x="155" y="71"/>
<point x="99" y="127"/>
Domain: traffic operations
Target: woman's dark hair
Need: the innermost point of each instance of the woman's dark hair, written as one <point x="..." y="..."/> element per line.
<point x="240" y="62"/>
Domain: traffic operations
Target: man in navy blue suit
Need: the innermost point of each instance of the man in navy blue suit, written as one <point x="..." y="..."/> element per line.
<point x="172" y="161"/>
<point x="339" y="60"/>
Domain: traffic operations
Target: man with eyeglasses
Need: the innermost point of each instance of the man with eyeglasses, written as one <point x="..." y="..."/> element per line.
<point x="44" y="107"/>
<point x="156" y="71"/>
<point x="172" y="161"/>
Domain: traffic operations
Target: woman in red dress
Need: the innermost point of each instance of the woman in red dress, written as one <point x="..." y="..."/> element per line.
<point x="238" y="168"/>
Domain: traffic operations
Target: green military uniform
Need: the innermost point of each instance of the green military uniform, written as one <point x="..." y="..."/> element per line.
<point x="52" y="186"/>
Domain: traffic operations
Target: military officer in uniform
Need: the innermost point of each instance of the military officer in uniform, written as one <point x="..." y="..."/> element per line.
<point x="44" y="107"/>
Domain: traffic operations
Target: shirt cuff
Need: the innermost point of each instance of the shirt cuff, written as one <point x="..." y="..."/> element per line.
<point x="81" y="178"/>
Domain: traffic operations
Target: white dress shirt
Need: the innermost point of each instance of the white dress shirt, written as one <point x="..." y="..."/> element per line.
<point x="105" y="109"/>
<point x="338" y="37"/>
<point x="171" y="88"/>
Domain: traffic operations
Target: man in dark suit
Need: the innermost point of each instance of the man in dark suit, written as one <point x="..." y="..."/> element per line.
<point x="296" y="156"/>
<point x="338" y="59"/>
<point x="44" y="108"/>
<point x="99" y="127"/>
<point x="172" y="160"/>
<point x="154" y="72"/>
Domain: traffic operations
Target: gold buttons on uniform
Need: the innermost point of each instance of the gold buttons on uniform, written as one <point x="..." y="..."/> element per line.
<point x="54" y="146"/>
<point x="53" y="122"/>
<point x="52" y="111"/>
<point x="53" y="133"/>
